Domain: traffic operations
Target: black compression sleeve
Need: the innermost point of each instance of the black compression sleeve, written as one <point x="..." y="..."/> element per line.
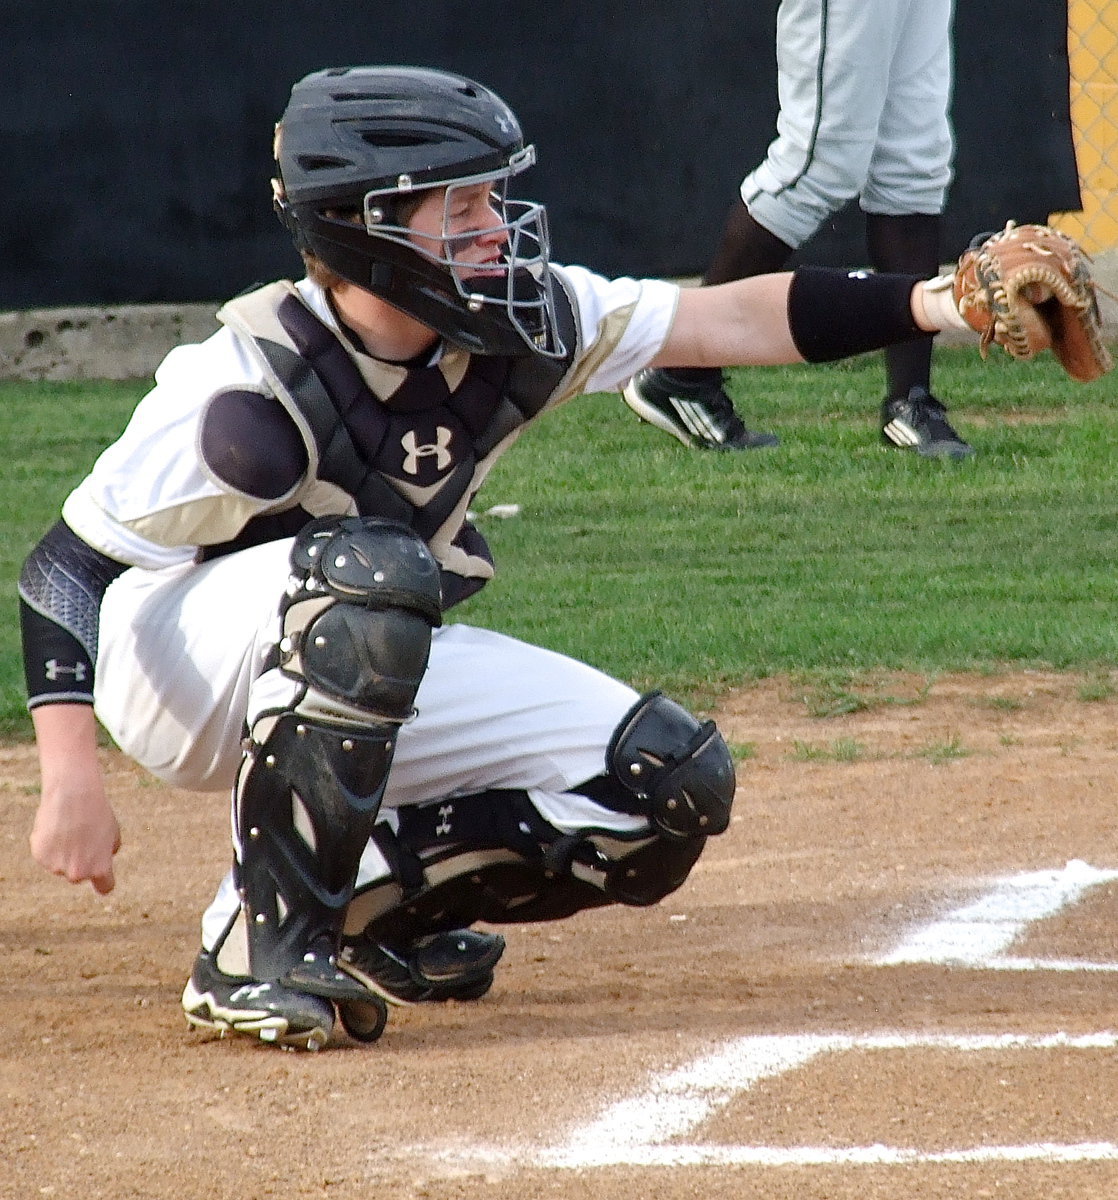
<point x="60" y="593"/>
<point x="834" y="314"/>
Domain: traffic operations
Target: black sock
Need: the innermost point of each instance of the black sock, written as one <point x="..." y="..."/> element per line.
<point x="909" y="245"/>
<point x="746" y="249"/>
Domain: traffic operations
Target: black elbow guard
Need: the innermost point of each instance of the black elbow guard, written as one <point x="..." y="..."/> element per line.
<point x="835" y="314"/>
<point x="60" y="593"/>
<point x="56" y="665"/>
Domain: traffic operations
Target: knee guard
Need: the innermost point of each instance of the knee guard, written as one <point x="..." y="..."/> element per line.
<point x="672" y="769"/>
<point x="356" y="622"/>
<point x="357" y="619"/>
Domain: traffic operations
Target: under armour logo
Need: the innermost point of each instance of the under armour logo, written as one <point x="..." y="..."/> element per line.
<point x="55" y="670"/>
<point x="446" y="811"/>
<point x="252" y="991"/>
<point x="414" y="452"/>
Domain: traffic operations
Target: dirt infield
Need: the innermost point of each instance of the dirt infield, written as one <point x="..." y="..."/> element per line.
<point x="758" y="1034"/>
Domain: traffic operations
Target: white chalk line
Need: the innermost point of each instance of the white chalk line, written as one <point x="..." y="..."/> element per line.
<point x="827" y="1156"/>
<point x="644" y="1129"/>
<point x="978" y="934"/>
<point x="637" y="1131"/>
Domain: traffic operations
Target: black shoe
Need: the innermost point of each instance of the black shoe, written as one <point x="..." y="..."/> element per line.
<point x="919" y="422"/>
<point x="272" y="1012"/>
<point x="698" y="414"/>
<point x="457" y="965"/>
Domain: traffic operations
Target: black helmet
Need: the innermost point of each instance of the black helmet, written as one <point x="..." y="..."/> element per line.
<point x="354" y="142"/>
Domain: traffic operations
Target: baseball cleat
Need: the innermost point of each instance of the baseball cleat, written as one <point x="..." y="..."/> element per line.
<point x="457" y="965"/>
<point x="697" y="414"/>
<point x="270" y="1011"/>
<point x="919" y="422"/>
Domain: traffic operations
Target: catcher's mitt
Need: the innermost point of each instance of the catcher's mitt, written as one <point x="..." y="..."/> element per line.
<point x="1029" y="288"/>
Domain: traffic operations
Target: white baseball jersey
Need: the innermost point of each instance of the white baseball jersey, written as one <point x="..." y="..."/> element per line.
<point x="185" y="633"/>
<point x="864" y="90"/>
<point x="181" y="641"/>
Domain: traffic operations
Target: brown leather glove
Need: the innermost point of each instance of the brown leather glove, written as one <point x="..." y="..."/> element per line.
<point x="1029" y="288"/>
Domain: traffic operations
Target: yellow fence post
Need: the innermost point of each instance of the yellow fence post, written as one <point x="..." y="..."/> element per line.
<point x="1093" y="51"/>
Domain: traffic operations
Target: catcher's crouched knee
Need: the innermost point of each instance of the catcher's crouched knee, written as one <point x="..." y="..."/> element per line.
<point x="358" y="615"/>
<point x="673" y="769"/>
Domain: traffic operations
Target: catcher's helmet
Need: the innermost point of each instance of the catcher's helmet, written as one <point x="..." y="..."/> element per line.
<point x="353" y="142"/>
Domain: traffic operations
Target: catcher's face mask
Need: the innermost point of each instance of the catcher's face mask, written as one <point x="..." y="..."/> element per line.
<point x="494" y="250"/>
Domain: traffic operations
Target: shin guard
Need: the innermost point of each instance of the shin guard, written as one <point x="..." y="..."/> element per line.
<point x="356" y="622"/>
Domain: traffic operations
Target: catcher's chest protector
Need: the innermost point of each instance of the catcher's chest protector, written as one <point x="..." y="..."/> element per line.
<point x="415" y="458"/>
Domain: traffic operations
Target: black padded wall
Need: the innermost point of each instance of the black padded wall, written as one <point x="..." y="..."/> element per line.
<point x="135" y="139"/>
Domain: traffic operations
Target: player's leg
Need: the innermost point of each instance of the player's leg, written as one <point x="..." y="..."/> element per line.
<point x="323" y="718"/>
<point x="555" y="790"/>
<point x="177" y="655"/>
<point x="831" y="83"/>
<point x="529" y="718"/>
<point x="628" y="836"/>
<point x="904" y="195"/>
<point x="178" y="652"/>
<point x="911" y="165"/>
<point x="912" y="416"/>
<point x="832" y="78"/>
<point x="452" y="964"/>
<point x="517" y="783"/>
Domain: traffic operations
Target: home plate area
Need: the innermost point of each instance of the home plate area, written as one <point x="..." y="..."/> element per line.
<point x="937" y="1097"/>
<point x="893" y="977"/>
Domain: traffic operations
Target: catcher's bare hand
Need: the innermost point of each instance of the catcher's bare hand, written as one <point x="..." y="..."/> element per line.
<point x="75" y="834"/>
<point x="1029" y="288"/>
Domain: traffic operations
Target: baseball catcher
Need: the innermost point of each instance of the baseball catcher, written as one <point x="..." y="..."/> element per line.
<point x="254" y="587"/>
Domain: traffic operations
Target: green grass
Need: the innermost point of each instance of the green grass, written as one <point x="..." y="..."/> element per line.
<point x="700" y="570"/>
<point x="845" y="750"/>
<point x="830" y="692"/>
<point x="1095" y="688"/>
<point x="50" y="434"/>
<point x="696" y="571"/>
<point x="942" y="752"/>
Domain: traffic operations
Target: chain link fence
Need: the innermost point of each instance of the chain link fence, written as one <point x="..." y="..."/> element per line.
<point x="1093" y="50"/>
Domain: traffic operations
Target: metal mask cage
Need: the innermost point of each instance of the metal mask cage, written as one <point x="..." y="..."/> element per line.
<point x="519" y="283"/>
